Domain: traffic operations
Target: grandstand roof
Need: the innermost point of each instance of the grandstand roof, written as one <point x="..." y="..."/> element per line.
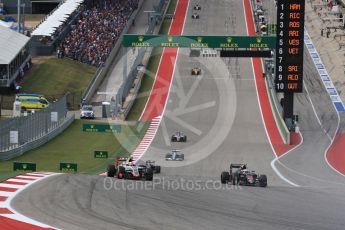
<point x="57" y="18"/>
<point x="11" y="43"/>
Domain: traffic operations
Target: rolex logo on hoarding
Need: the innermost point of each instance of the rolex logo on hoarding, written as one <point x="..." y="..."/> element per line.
<point x="25" y="166"/>
<point x="229" y="39"/>
<point x="141" y="38"/>
<point x="199" y="39"/>
<point x="170" y="39"/>
<point x="258" y="39"/>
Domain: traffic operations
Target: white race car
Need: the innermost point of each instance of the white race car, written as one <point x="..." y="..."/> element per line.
<point x="178" y="137"/>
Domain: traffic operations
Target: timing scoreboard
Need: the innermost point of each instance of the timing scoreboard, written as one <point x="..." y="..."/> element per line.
<point x="289" y="46"/>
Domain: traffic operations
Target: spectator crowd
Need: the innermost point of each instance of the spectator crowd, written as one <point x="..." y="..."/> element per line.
<point x="96" y="31"/>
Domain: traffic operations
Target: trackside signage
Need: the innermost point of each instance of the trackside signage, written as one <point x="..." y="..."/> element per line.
<point x="102" y="128"/>
<point x="21" y="166"/>
<point x="101" y="154"/>
<point x="290" y="36"/>
<point x="232" y="42"/>
<point x="69" y="167"/>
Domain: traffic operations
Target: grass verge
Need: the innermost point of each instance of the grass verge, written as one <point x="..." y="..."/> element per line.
<point x="148" y="79"/>
<point x="53" y="77"/>
<point x="8" y="174"/>
<point x="76" y="146"/>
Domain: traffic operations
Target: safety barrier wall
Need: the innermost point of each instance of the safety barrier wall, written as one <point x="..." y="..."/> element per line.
<point x="10" y="154"/>
<point x="142" y="59"/>
<point x="277" y="109"/>
<point x="136" y="85"/>
<point x="269" y="81"/>
<point x="20" y="134"/>
<point x="135" y="93"/>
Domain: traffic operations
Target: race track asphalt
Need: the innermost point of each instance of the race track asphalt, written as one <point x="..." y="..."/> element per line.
<point x="219" y="112"/>
<point x="306" y="165"/>
<point x="83" y="202"/>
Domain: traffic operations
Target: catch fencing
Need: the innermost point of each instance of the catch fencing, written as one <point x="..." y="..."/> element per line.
<point x="20" y="134"/>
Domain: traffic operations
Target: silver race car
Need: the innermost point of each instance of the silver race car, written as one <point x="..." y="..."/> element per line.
<point x="178" y="137"/>
<point x="175" y="155"/>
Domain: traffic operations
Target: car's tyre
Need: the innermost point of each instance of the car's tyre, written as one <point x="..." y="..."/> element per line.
<point x="173" y="139"/>
<point x="158" y="169"/>
<point x="182" y="156"/>
<point x="225" y="177"/>
<point x="149" y="174"/>
<point x="262" y="181"/>
<point x="111" y="171"/>
<point x="234" y="180"/>
<point x="185" y="139"/>
<point x="121" y="173"/>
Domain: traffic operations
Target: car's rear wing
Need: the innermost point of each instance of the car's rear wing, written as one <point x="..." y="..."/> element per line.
<point x="236" y="166"/>
<point x="120" y="160"/>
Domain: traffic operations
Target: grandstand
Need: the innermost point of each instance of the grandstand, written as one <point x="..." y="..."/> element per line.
<point x="98" y="29"/>
<point x="57" y="18"/>
<point x="14" y="56"/>
<point x="73" y="28"/>
<point x="54" y="27"/>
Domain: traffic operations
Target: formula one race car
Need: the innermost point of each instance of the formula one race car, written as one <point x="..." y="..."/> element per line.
<point x="196" y="71"/>
<point x="240" y="175"/>
<point x="178" y="137"/>
<point x="197" y="7"/>
<point x="175" y="155"/>
<point x="124" y="168"/>
<point x="195" y="16"/>
<point x="152" y="164"/>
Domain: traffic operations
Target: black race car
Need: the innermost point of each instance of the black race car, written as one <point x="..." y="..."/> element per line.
<point x="175" y="155"/>
<point x="195" y="16"/>
<point x="196" y="71"/>
<point x="239" y="174"/>
<point x="178" y="137"/>
<point x="152" y="164"/>
<point x="197" y="7"/>
<point x="124" y="168"/>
